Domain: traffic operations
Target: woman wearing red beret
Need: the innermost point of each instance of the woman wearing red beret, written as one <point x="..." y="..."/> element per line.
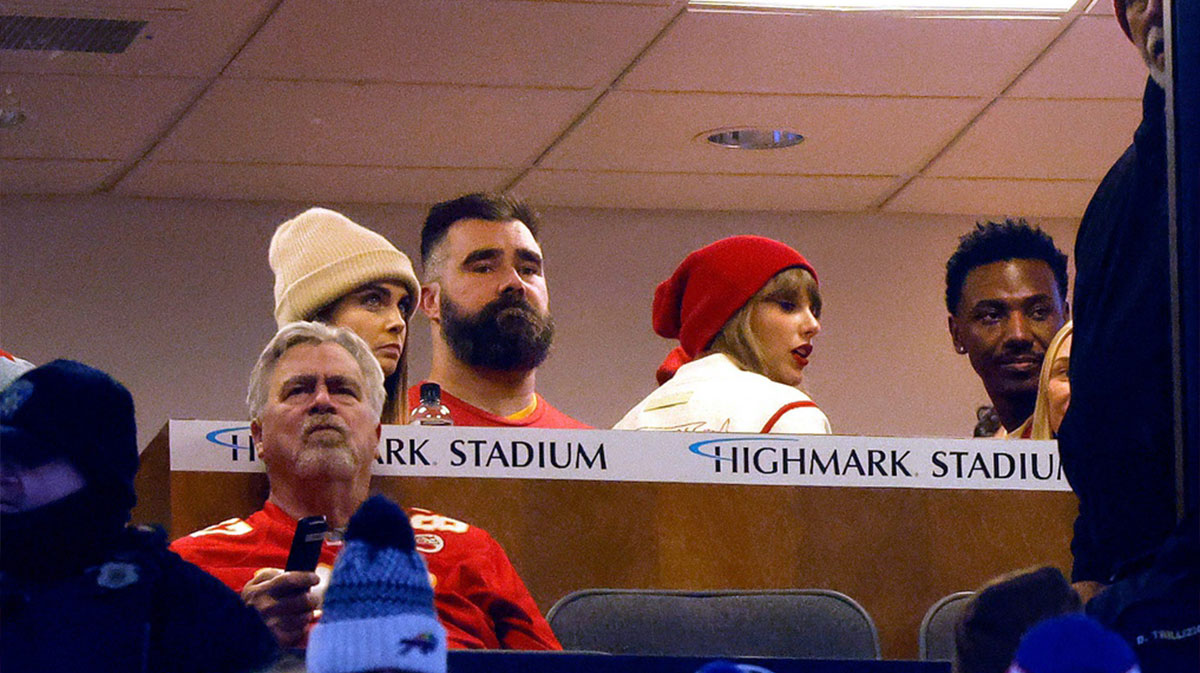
<point x="745" y="311"/>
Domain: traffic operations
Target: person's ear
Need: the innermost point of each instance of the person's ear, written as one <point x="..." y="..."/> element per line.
<point x="952" y="325"/>
<point x="256" y="436"/>
<point x="431" y="301"/>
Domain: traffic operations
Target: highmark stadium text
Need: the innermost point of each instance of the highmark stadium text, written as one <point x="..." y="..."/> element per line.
<point x="473" y="452"/>
<point x="665" y="457"/>
<point x="732" y="457"/>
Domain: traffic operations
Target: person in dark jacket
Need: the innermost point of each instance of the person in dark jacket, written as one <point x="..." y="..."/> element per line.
<point x="79" y="589"/>
<point x="1117" y="439"/>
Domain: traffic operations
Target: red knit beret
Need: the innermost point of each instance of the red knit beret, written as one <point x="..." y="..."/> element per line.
<point x="711" y="285"/>
<point x="1119" y="8"/>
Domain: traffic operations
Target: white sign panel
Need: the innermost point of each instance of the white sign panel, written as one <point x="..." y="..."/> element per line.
<point x="694" y="458"/>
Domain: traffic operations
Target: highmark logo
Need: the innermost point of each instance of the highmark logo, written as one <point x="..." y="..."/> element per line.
<point x="237" y="440"/>
<point x="768" y="454"/>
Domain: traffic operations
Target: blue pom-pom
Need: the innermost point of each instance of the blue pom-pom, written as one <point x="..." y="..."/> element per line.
<point x="380" y="522"/>
<point x="1074" y="644"/>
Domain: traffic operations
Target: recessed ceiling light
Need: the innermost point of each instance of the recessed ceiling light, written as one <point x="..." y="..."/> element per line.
<point x="752" y="138"/>
<point x="886" y="5"/>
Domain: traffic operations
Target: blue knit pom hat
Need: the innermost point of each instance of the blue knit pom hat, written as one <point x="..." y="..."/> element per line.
<point x="378" y="611"/>
<point x="1073" y="644"/>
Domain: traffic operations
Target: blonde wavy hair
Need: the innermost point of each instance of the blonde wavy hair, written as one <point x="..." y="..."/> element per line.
<point x="1038" y="425"/>
<point x="739" y="342"/>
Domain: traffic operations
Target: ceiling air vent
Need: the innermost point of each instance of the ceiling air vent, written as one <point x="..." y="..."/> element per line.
<point x="41" y="33"/>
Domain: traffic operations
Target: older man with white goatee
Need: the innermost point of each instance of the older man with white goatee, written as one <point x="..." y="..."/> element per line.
<point x="315" y="398"/>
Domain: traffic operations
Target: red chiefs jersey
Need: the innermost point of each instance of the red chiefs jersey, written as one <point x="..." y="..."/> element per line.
<point x="479" y="597"/>
<point x="467" y="415"/>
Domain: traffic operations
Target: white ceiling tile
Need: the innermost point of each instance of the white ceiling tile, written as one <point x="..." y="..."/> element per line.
<point x="324" y="184"/>
<point x="31" y="6"/>
<point x="1091" y="60"/>
<point x="181" y="39"/>
<point x="587" y="189"/>
<point x="42" y="176"/>
<point x="487" y="42"/>
<point x="1101" y="7"/>
<point x="841" y="53"/>
<point x="1052" y="139"/>
<point x="72" y="117"/>
<point x="844" y="135"/>
<point x="994" y="198"/>
<point x="370" y="124"/>
<point x="370" y="140"/>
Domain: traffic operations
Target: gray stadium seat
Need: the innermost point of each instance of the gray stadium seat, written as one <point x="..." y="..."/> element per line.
<point x="935" y="642"/>
<point x="794" y="623"/>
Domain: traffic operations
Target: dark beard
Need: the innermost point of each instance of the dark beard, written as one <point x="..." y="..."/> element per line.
<point x="506" y="335"/>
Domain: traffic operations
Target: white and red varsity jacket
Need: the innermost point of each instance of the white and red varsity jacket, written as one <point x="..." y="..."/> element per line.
<point x="713" y="394"/>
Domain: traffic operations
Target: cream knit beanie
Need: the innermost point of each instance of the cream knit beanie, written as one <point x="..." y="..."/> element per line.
<point x="319" y="256"/>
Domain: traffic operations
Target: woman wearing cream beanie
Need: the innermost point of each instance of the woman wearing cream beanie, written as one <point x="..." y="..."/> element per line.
<point x="334" y="271"/>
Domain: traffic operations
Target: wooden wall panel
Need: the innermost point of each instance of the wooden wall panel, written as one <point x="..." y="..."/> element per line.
<point x="895" y="551"/>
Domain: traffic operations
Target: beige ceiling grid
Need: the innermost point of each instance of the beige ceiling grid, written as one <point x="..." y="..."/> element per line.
<point x="591" y="104"/>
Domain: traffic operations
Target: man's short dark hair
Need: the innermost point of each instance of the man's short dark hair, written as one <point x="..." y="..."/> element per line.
<point x="990" y="628"/>
<point x="999" y="242"/>
<point x="476" y="206"/>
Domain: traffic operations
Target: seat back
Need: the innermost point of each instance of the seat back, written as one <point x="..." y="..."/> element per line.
<point x="935" y="641"/>
<point x="793" y="623"/>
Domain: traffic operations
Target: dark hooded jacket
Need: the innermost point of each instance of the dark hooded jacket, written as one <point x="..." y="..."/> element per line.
<point x="141" y="609"/>
<point x="1117" y="440"/>
<point x="79" y="590"/>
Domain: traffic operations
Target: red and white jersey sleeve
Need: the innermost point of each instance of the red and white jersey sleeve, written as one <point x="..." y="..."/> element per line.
<point x="713" y="394"/>
<point x="476" y="588"/>
<point x="478" y="595"/>
<point x="233" y="550"/>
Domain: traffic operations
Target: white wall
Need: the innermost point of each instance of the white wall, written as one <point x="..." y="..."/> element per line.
<point x="174" y="299"/>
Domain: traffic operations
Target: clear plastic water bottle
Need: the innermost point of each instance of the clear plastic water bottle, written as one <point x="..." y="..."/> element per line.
<point x="430" y="411"/>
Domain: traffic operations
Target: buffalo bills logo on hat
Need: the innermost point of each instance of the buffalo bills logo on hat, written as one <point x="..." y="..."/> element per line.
<point x="425" y="643"/>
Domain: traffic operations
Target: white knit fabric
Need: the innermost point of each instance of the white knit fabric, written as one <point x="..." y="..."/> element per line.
<point x="409" y="642"/>
<point x="320" y="255"/>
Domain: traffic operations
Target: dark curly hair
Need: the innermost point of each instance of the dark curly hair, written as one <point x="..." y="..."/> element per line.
<point x="476" y="206"/>
<point x="998" y="242"/>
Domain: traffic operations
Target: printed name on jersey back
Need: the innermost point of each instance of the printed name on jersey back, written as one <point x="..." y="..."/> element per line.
<point x="226" y="527"/>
